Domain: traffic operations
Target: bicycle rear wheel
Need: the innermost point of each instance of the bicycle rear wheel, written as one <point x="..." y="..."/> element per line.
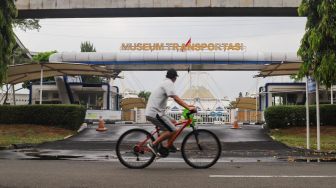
<point x="201" y="149"/>
<point x="132" y="151"/>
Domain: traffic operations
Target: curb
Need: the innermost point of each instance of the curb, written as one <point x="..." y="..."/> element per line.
<point x="4" y="147"/>
<point x="22" y="146"/>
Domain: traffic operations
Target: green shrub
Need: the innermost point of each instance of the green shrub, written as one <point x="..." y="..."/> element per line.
<point x="65" y="116"/>
<point x="288" y="116"/>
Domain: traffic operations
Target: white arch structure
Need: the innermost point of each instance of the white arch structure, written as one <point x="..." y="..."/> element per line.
<point x="155" y="61"/>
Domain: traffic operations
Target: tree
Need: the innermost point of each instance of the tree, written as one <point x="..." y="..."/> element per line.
<point x="19" y="53"/>
<point x="20" y="56"/>
<point x="7" y="41"/>
<point x="27" y="24"/>
<point x="88" y="47"/>
<point x="40" y="57"/>
<point x="144" y="94"/>
<point x="318" y="45"/>
<point x="43" y="56"/>
<point x="233" y="104"/>
<point x="10" y="52"/>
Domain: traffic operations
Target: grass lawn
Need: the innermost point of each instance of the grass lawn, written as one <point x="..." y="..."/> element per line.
<point x="30" y="134"/>
<point x="296" y="137"/>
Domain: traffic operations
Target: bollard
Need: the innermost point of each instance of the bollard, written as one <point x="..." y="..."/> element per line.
<point x="101" y="125"/>
<point x="235" y="125"/>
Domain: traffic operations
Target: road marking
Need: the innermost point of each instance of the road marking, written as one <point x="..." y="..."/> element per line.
<point x="261" y="176"/>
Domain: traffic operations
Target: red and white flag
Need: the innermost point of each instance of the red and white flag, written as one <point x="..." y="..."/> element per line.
<point x="186" y="45"/>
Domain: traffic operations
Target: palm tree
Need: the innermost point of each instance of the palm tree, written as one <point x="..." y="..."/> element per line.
<point x="145" y="95"/>
<point x="87" y="46"/>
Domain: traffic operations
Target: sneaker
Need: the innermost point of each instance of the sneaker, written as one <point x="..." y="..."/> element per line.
<point x="153" y="149"/>
<point x="173" y="149"/>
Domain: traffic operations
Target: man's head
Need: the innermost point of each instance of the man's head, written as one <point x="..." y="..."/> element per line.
<point x="172" y="74"/>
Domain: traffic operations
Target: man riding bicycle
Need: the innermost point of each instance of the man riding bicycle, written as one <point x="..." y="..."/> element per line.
<point x="155" y="110"/>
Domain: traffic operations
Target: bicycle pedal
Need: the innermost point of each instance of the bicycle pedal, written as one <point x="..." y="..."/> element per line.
<point x="164" y="152"/>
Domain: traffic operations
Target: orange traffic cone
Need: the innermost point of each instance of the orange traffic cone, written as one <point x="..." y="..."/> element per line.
<point x="101" y="125"/>
<point x="235" y="125"/>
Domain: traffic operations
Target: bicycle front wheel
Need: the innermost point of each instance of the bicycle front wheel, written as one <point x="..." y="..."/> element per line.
<point x="201" y="149"/>
<point x="132" y="151"/>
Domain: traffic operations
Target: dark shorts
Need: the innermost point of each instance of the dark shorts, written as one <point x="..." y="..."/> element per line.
<point x="163" y="122"/>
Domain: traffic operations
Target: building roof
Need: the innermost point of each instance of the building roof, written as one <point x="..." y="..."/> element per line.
<point x="203" y="105"/>
<point x="280" y="69"/>
<point x="32" y="71"/>
<point x="245" y="103"/>
<point x="197" y="92"/>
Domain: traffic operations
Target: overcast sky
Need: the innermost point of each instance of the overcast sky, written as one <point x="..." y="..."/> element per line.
<point x="107" y="34"/>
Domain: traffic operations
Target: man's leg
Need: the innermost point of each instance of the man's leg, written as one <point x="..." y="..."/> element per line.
<point x="167" y="124"/>
<point x="173" y="134"/>
<point x="163" y="136"/>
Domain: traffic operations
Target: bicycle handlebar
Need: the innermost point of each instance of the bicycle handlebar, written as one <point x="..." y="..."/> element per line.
<point x="191" y="112"/>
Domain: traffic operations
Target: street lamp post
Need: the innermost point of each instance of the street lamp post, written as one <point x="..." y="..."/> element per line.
<point x="307" y="115"/>
<point x="41" y="85"/>
<point x="318" y="117"/>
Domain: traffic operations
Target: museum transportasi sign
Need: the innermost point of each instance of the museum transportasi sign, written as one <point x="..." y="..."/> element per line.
<point x="182" y="47"/>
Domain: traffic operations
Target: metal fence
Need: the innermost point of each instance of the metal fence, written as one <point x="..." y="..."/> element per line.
<point x="204" y="118"/>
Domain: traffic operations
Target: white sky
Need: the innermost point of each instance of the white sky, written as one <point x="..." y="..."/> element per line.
<point x="107" y="34"/>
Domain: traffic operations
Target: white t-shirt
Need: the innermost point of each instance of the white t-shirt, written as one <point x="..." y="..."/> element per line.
<point x="157" y="101"/>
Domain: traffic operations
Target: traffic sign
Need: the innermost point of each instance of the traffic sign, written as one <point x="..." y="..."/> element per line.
<point x="311" y="85"/>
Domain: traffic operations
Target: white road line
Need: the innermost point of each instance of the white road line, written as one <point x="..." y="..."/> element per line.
<point x="261" y="176"/>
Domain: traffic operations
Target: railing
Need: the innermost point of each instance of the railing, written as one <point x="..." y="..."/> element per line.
<point x="204" y="118"/>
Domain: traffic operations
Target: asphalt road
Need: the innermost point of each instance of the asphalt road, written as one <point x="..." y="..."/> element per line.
<point x="250" y="143"/>
<point x="56" y="173"/>
<point x="247" y="138"/>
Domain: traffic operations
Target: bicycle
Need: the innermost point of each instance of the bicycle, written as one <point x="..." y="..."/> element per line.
<point x="200" y="148"/>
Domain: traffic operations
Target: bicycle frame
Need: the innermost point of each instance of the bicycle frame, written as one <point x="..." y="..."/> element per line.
<point x="184" y="124"/>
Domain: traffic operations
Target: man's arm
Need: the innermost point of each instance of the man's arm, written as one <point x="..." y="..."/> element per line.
<point x="179" y="101"/>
